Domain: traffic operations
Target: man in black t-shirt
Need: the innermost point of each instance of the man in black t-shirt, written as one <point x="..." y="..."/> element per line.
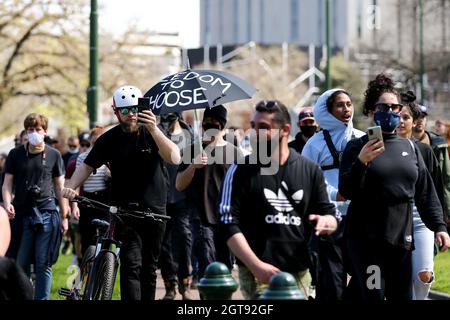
<point x="135" y="151"/>
<point x="265" y="215"/>
<point x="200" y="175"/>
<point x="36" y="173"/>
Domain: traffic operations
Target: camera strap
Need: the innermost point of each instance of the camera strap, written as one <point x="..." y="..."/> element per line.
<point x="42" y="166"/>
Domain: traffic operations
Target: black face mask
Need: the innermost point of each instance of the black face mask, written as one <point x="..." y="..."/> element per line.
<point x="308" y="131"/>
<point x="169" y="118"/>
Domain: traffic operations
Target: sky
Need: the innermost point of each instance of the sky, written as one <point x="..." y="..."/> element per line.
<point x="157" y="15"/>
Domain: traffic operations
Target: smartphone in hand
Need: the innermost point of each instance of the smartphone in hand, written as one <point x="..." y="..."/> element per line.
<point x="374" y="133"/>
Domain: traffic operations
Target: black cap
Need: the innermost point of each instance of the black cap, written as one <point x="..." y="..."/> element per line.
<point x="218" y="112"/>
<point x="84" y="136"/>
<point x="50" y="140"/>
<point x="306" y="114"/>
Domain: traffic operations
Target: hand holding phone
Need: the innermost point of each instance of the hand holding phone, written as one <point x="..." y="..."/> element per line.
<point x="373" y="147"/>
<point x="375" y="133"/>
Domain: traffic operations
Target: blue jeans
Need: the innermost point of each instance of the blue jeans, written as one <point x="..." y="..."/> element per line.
<point x="34" y="248"/>
<point x="422" y="257"/>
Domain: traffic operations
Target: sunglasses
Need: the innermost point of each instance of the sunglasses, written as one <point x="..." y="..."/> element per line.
<point x="385" y="107"/>
<point x="268" y="104"/>
<point x="85" y="145"/>
<point x="126" y="110"/>
<point x="72" y="146"/>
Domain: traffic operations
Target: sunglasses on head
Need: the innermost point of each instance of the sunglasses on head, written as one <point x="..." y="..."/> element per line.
<point x="126" y="110"/>
<point x="270" y="104"/>
<point x="385" y="107"/>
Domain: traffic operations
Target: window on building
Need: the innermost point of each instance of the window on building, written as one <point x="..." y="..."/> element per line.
<point x="236" y="20"/>
<point x="294" y="21"/>
<point x="249" y="20"/>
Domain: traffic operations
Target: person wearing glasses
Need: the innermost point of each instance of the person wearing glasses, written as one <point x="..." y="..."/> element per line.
<point x="135" y="151"/>
<point x="73" y="145"/>
<point x="383" y="180"/>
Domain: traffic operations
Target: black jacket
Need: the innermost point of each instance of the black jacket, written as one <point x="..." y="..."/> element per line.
<point x="298" y="143"/>
<point x="383" y="192"/>
<point x="256" y="205"/>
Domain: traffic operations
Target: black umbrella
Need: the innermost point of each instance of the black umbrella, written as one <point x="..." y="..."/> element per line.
<point x="195" y="89"/>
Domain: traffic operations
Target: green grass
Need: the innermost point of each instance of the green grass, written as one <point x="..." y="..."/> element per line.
<point x="62" y="275"/>
<point x="442" y="271"/>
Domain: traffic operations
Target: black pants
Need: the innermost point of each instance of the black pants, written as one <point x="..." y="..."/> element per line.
<point x="87" y="230"/>
<point x="375" y="259"/>
<point x="209" y="246"/>
<point x="331" y="271"/>
<point x="141" y="246"/>
<point x="175" y="259"/>
<point x="16" y="225"/>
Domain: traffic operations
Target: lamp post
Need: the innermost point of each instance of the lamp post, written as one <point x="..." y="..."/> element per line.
<point x="422" y="66"/>
<point x="92" y="91"/>
<point x="328" y="43"/>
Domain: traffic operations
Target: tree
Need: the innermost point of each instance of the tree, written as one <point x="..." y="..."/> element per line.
<point x="42" y="60"/>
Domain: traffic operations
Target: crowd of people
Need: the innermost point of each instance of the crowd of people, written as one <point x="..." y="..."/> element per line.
<point x="339" y="211"/>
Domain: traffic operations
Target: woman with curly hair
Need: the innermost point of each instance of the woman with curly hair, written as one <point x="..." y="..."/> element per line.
<point x="383" y="180"/>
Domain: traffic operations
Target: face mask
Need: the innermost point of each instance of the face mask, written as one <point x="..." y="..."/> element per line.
<point x="308" y="131"/>
<point x="207" y="126"/>
<point x="388" y="121"/>
<point x="73" y="151"/>
<point x="210" y="130"/>
<point x="169" y="118"/>
<point x="35" y="138"/>
<point x="167" y="121"/>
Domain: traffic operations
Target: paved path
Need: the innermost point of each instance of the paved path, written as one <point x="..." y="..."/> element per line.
<point x="160" y="290"/>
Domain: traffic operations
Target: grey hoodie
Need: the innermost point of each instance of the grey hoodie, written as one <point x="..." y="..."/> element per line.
<point x="317" y="150"/>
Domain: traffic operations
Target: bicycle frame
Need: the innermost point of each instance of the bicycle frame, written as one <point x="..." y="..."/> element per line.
<point x="105" y="243"/>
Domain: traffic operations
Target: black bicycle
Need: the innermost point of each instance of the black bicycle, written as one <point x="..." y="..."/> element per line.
<point x="99" y="265"/>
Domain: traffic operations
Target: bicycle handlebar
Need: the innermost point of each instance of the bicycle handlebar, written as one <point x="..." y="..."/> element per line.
<point x="119" y="211"/>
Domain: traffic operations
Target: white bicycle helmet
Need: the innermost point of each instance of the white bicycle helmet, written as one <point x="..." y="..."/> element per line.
<point x="126" y="96"/>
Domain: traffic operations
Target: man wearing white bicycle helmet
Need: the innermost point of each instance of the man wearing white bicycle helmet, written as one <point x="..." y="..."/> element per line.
<point x="135" y="151"/>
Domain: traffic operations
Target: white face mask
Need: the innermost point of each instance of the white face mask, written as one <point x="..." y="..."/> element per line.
<point x="35" y="138"/>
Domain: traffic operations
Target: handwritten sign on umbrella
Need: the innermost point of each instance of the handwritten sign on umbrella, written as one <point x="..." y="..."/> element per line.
<point x="195" y="89"/>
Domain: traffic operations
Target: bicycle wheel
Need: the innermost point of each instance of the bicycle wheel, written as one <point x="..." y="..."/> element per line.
<point x="105" y="276"/>
<point x="85" y="269"/>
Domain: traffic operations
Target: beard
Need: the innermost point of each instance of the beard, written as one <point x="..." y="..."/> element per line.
<point x="264" y="149"/>
<point x="129" y="127"/>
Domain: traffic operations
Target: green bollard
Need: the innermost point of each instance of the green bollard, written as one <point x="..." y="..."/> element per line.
<point x="217" y="284"/>
<point x="282" y="286"/>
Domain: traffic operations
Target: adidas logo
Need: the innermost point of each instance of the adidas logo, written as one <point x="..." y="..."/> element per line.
<point x="282" y="205"/>
<point x="282" y="219"/>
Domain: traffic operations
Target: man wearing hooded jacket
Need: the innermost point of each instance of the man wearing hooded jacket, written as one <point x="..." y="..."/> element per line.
<point x="334" y="113"/>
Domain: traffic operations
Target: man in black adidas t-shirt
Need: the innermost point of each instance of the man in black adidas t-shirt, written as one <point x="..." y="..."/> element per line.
<point x="136" y="154"/>
<point x="268" y="219"/>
